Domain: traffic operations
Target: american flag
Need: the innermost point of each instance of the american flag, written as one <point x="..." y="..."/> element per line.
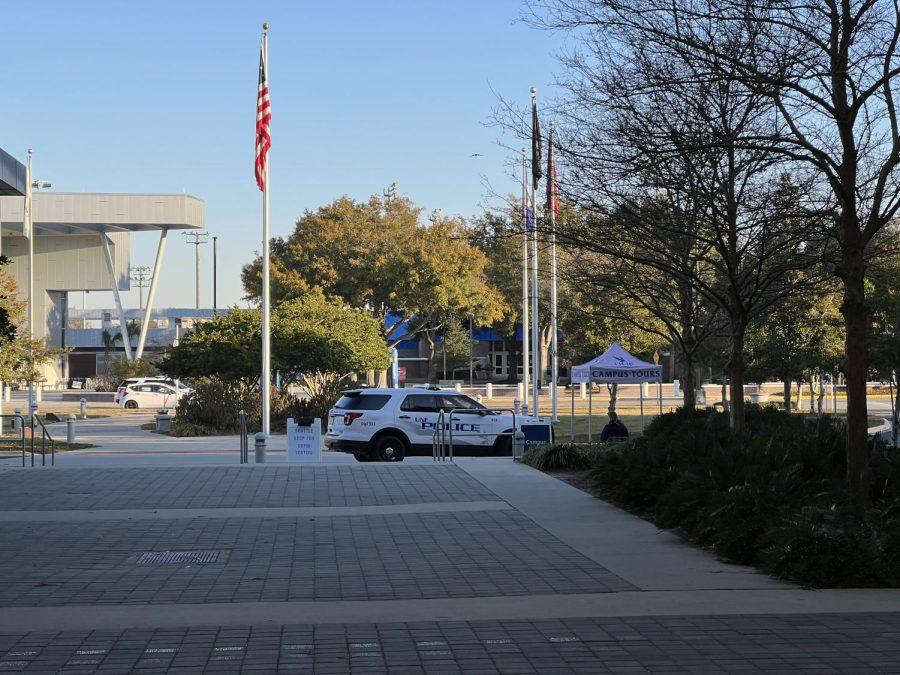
<point x="263" y="118"/>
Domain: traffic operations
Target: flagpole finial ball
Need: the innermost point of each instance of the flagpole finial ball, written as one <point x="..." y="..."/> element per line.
<point x="266" y="26"/>
<point x="533" y="90"/>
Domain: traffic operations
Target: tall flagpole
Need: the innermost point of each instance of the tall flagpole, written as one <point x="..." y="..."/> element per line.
<point x="526" y="380"/>
<point x="266" y="328"/>
<point x="551" y="204"/>
<point x="535" y="336"/>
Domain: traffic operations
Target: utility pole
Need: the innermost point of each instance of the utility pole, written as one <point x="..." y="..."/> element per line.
<point x="196" y="238"/>
<point x="215" y="274"/>
<point x="140" y="277"/>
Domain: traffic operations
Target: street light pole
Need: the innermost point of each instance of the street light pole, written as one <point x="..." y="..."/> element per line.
<point x="196" y="238"/>
<point x="140" y="277"/>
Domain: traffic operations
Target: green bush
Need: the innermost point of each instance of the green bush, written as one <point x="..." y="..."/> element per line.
<point x="771" y="496"/>
<point x="213" y="407"/>
<point x="558" y="456"/>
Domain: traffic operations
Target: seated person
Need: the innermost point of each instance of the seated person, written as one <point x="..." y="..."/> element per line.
<point x="613" y="429"/>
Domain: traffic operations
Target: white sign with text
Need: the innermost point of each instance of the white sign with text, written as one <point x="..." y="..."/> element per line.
<point x="304" y="444"/>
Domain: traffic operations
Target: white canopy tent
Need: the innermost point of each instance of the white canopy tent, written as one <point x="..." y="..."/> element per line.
<point x="615" y="366"/>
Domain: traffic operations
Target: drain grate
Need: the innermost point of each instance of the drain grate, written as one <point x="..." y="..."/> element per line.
<point x="178" y="557"/>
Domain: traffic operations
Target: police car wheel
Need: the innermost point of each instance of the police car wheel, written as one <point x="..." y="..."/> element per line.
<point x="131" y="404"/>
<point x="503" y="446"/>
<point x="389" y="449"/>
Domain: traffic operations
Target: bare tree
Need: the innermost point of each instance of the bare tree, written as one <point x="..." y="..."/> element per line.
<point x="830" y="71"/>
<point x="642" y="121"/>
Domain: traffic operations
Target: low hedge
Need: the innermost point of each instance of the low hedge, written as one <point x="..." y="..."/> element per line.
<point x="771" y="497"/>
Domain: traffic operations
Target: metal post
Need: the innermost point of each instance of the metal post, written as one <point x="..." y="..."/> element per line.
<point x="526" y="350"/>
<point x="151" y="294"/>
<point x="471" y="354"/>
<point x="535" y="316"/>
<point x="659" y="385"/>
<point x="123" y="327"/>
<point x="29" y="226"/>
<point x="572" y="418"/>
<point x="641" y="390"/>
<point x="590" y="408"/>
<point x="215" y="273"/>
<point x="554" y="350"/>
<point x="70" y="429"/>
<point x="82" y="402"/>
<point x="266" y="337"/>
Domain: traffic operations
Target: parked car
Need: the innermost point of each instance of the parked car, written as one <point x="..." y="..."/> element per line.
<point x="158" y="379"/>
<point x="388" y="424"/>
<point x="152" y="395"/>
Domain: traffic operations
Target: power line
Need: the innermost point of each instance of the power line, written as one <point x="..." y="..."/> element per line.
<point x="196" y="238"/>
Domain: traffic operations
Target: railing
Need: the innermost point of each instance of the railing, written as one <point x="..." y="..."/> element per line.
<point x="442" y="438"/>
<point x="21" y="427"/>
<point x="46" y="438"/>
<point x="245" y="444"/>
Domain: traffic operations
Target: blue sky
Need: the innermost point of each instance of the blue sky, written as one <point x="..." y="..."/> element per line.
<point x="160" y="97"/>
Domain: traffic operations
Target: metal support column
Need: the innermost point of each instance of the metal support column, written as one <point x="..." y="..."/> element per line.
<point x="154" y="278"/>
<point x="123" y="327"/>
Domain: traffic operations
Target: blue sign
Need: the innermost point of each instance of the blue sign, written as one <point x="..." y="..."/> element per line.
<point x="541" y="432"/>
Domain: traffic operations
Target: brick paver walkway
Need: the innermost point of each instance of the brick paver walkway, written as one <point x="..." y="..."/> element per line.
<point x="447" y="546"/>
<point x="820" y="644"/>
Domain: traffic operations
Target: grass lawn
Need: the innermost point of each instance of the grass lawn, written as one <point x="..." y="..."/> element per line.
<point x="11" y="446"/>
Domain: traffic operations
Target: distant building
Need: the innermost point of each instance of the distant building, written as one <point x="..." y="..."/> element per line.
<point x="81" y="243"/>
<point x="88" y="332"/>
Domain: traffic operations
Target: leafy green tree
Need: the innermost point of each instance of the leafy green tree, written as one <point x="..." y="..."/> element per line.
<point x="21" y="356"/>
<point x="798" y="338"/>
<point x="309" y="334"/>
<point x="376" y="255"/>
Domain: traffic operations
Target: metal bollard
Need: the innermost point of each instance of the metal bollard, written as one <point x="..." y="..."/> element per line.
<point x="489" y="390"/>
<point x="517" y="407"/>
<point x="17" y="421"/>
<point x="38" y="393"/>
<point x="7" y="393"/>
<point x="70" y="428"/>
<point x="479" y="398"/>
<point x="83" y="402"/>
<point x="259" y="447"/>
<point x="518" y="444"/>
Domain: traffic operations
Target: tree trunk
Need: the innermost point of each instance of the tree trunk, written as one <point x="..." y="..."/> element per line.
<point x="613" y="390"/>
<point x="688" y="382"/>
<point x="855" y="368"/>
<point x="432" y="362"/>
<point x="736" y="369"/>
<point x="787" y="394"/>
<point x="725" y="407"/>
<point x="820" y="399"/>
<point x="812" y="394"/>
<point x="544" y="353"/>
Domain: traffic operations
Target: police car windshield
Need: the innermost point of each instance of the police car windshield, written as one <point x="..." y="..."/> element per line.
<point x="358" y="400"/>
<point x="460" y="402"/>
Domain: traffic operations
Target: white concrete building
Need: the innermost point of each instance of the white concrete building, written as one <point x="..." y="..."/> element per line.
<point x="82" y="243"/>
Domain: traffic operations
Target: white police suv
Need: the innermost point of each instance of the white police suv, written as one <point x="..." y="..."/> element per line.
<point x="376" y="424"/>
